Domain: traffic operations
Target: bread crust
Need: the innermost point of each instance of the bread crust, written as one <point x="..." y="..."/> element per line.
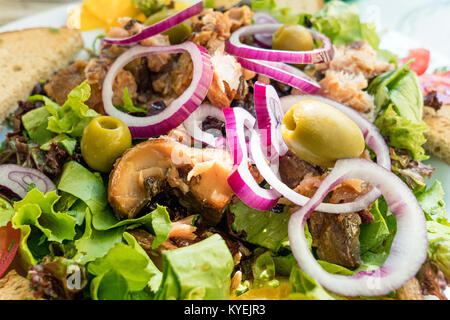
<point x="438" y="135"/>
<point x="32" y="55"/>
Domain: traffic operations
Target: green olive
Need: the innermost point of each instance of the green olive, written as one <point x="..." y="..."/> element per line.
<point x="321" y="134"/>
<point x="293" y="38"/>
<point x="104" y="140"/>
<point x="176" y="34"/>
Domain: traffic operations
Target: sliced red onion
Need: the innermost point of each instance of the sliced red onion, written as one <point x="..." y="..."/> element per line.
<point x="179" y="109"/>
<point x="193" y="124"/>
<point x="263" y="39"/>
<point x="281" y="72"/>
<point x="269" y="117"/>
<point x="235" y="47"/>
<point x="17" y="179"/>
<point x="409" y="248"/>
<point x="238" y="123"/>
<point x="160" y="26"/>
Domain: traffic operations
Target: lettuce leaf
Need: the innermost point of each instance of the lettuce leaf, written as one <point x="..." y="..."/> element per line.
<point x="73" y="116"/>
<point x="6" y="212"/>
<point x="37" y="210"/>
<point x="63" y="141"/>
<point x="399" y="107"/>
<point x="439" y="245"/>
<point x="283" y="15"/>
<point x="304" y="287"/>
<point x="127" y="266"/>
<point x="264" y="271"/>
<point x="85" y="185"/>
<point x="157" y="222"/>
<point x="128" y="105"/>
<point x="35" y="123"/>
<point x="340" y="22"/>
<point x="403" y="133"/>
<point x="202" y="270"/>
<point x="432" y="202"/>
<point x="263" y="228"/>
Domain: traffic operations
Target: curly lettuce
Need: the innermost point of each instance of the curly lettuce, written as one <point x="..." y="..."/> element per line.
<point x="340" y="22"/>
<point x="71" y="118"/>
<point x="399" y="107"/>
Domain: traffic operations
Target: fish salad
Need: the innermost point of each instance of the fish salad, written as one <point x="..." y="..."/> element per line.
<point x="240" y="152"/>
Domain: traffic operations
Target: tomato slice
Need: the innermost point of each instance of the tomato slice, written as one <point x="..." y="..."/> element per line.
<point x="421" y="60"/>
<point x="9" y="243"/>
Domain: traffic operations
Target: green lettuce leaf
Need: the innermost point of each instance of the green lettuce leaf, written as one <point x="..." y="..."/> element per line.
<point x="399" y="108"/>
<point x="283" y="15"/>
<point x="156" y="222"/>
<point x="37" y="210"/>
<point x="128" y="105"/>
<point x="263" y="228"/>
<point x="432" y="202"/>
<point x="85" y="185"/>
<point x="128" y="266"/>
<point x="439" y="245"/>
<point x="73" y="116"/>
<point x="340" y="22"/>
<point x="403" y="133"/>
<point x="6" y="212"/>
<point x="35" y="123"/>
<point x="305" y="288"/>
<point x="202" y="270"/>
<point x="63" y="141"/>
<point x="372" y="235"/>
<point x="264" y="271"/>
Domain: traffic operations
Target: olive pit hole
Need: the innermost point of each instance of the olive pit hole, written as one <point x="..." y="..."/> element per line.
<point x="108" y="124"/>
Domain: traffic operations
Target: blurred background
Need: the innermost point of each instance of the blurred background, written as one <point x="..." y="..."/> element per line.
<point x="426" y="21"/>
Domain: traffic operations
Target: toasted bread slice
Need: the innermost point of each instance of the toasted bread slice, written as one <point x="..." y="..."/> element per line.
<point x="29" y="56"/>
<point x="438" y="135"/>
<point x="15" y="287"/>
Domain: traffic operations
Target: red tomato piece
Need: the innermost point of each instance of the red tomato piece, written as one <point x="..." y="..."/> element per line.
<point x="9" y="243"/>
<point x="421" y="60"/>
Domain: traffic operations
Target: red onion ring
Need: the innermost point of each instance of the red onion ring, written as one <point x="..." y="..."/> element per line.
<point x="264" y="39"/>
<point x="193" y="124"/>
<point x="281" y="72"/>
<point x="241" y="180"/>
<point x="409" y="248"/>
<point x="160" y="26"/>
<point x="17" y="179"/>
<point x="269" y="117"/>
<point x="235" y="47"/>
<point x="179" y="109"/>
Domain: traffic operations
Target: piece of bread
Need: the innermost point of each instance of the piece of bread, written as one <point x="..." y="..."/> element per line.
<point x="15" y="287"/>
<point x="438" y="135"/>
<point x="29" y="56"/>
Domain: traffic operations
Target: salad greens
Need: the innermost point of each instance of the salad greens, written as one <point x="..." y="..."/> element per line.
<point x="266" y="229"/>
<point x="71" y="118"/>
<point x="399" y="107"/>
<point x="199" y="271"/>
<point x="340" y="22"/>
<point x="125" y="269"/>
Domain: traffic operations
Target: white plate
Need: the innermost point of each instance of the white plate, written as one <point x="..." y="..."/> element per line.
<point x="394" y="41"/>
